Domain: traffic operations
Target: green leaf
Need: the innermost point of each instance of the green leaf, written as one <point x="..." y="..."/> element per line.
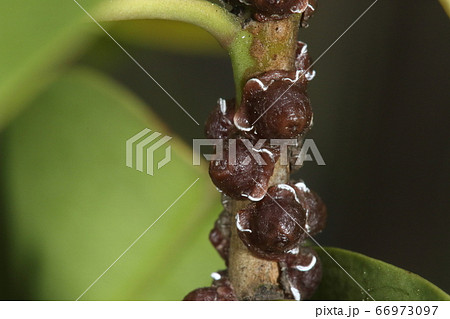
<point x="36" y="39"/>
<point x="74" y="207"/>
<point x="173" y="36"/>
<point x="382" y="281"/>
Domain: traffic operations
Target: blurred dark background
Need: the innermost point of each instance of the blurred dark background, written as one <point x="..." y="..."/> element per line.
<point x="382" y="107"/>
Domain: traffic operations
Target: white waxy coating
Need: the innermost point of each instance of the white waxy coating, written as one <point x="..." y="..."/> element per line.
<point x="294" y="251"/>
<point x="308" y="228"/>
<point x="216" y="276"/>
<point x="310" y="75"/>
<point x="296" y="293"/>
<point x="253" y="199"/>
<point x="291" y="189"/>
<point x="304" y="48"/>
<point x="263" y="150"/>
<point x="239" y="226"/>
<point x="297" y="77"/>
<point x="244" y="2"/>
<point x="261" y="85"/>
<point x="309" y="267"/>
<point x="240" y="127"/>
<point x="302" y="186"/>
<point x="223" y="106"/>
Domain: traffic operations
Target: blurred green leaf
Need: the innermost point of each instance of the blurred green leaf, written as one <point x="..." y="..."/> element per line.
<point x="36" y="39"/>
<point x="174" y="36"/>
<point x="381" y="280"/>
<point x="446" y="5"/>
<point x="73" y="206"/>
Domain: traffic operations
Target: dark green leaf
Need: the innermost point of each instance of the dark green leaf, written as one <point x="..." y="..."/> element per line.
<point x="381" y="280"/>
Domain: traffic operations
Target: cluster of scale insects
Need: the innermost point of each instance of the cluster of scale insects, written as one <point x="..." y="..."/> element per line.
<point x="279" y="218"/>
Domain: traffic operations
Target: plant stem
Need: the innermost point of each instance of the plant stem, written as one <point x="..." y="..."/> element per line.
<point x="260" y="47"/>
<point x="223" y="25"/>
<point x="254" y="278"/>
<point x="263" y="46"/>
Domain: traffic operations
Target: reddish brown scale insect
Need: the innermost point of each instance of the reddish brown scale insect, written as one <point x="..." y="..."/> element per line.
<point x="265" y="10"/>
<point x="275" y="105"/>
<point x="309" y="12"/>
<point x="223" y="285"/>
<point x="222" y="293"/>
<point x="219" y="124"/>
<point x="273" y="226"/>
<point x="202" y="294"/>
<point x="277" y="9"/>
<point x="221" y="290"/>
<point x="280" y="7"/>
<point x="236" y="172"/>
<point x="301" y="273"/>
<point x="220" y="235"/>
<point x="316" y="211"/>
<point x="303" y="63"/>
